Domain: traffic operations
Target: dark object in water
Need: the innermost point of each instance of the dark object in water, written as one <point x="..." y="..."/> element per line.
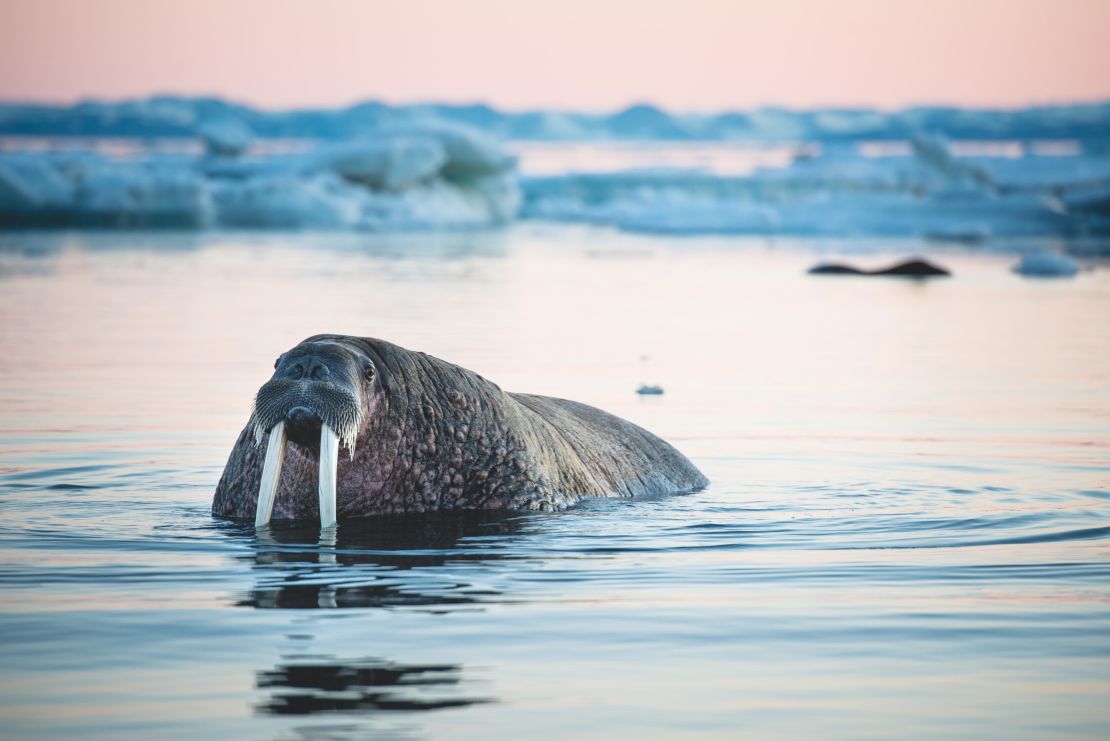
<point x="908" y="269"/>
<point x="649" y="390"/>
<point x="327" y="686"/>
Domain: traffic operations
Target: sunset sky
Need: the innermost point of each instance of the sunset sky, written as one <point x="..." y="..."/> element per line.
<point x="581" y="54"/>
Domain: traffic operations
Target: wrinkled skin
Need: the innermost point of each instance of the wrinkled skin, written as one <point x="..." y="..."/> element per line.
<point x="434" y="436"/>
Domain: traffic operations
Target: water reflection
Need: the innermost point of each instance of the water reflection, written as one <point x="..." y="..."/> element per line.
<point x="47" y="245"/>
<point x="307" y="686"/>
<point x="400" y="561"/>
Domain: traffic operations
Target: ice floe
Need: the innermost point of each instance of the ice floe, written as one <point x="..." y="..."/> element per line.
<point x="225" y="137"/>
<point x="1043" y="263"/>
<point x="436" y="175"/>
<point x="928" y="192"/>
<point x="421" y="177"/>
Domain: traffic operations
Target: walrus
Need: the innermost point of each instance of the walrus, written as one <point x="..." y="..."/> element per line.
<point x="419" y="434"/>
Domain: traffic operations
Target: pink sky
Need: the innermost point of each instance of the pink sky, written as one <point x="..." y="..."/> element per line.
<point x="585" y="54"/>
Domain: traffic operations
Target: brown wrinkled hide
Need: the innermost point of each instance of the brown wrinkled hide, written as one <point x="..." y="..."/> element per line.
<point x="440" y="437"/>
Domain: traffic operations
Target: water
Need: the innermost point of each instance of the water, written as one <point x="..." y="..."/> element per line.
<point x="726" y="159"/>
<point x="907" y="533"/>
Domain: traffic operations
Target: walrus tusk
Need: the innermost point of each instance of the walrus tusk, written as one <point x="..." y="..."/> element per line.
<point x="329" y="463"/>
<point x="271" y="474"/>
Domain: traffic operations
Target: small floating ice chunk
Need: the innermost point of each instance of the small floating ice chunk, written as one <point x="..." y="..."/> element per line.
<point x="646" y="389"/>
<point x="225" y="137"/>
<point x="1046" y="264"/>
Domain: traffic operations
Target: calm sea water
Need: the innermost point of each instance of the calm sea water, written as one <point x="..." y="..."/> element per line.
<point x="907" y="533"/>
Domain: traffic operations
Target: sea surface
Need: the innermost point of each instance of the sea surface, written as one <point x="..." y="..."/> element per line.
<point x="907" y="533"/>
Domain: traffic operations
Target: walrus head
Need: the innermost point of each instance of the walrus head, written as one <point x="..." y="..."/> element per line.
<point x="320" y="396"/>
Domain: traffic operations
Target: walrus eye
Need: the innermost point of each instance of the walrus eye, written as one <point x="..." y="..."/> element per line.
<point x="368" y="371"/>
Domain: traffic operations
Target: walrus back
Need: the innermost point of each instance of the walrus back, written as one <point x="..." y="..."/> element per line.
<point x="573" y="450"/>
<point x="623" y="459"/>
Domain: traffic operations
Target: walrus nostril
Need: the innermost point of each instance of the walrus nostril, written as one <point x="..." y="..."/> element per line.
<point x="301" y="416"/>
<point x="319" y="371"/>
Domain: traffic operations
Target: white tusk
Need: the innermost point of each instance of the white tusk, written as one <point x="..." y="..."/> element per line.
<point x="271" y="474"/>
<point x="329" y="463"/>
<point x="326" y="549"/>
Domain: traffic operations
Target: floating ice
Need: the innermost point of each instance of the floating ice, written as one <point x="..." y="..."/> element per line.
<point x="400" y="179"/>
<point x="288" y="202"/>
<point x="432" y="175"/>
<point x="931" y="194"/>
<point x="470" y="153"/>
<point x="935" y="152"/>
<point x="138" y="196"/>
<point x="390" y="164"/>
<point x="31" y="185"/>
<point x="225" y="137"/>
<point x="1046" y="264"/>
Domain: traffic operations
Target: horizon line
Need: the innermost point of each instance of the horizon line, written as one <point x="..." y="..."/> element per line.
<point x="587" y="111"/>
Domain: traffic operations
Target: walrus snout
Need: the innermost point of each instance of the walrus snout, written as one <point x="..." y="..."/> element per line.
<point x="301" y="416"/>
<point x="307" y="413"/>
<point x="302" y="425"/>
<point x="302" y="405"/>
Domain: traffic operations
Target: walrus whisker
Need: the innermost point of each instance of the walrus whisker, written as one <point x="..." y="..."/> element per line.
<point x="330" y="401"/>
<point x="329" y="464"/>
<point x="271" y="474"/>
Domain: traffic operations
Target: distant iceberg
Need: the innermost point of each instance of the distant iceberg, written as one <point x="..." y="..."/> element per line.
<point x="928" y="193"/>
<point x="432" y="174"/>
<point x="396" y="179"/>
<point x="171" y="116"/>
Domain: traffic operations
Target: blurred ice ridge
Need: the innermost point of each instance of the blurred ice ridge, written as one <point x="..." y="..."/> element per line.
<point x="401" y="178"/>
<point x="432" y="174"/>
<point x="842" y="191"/>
